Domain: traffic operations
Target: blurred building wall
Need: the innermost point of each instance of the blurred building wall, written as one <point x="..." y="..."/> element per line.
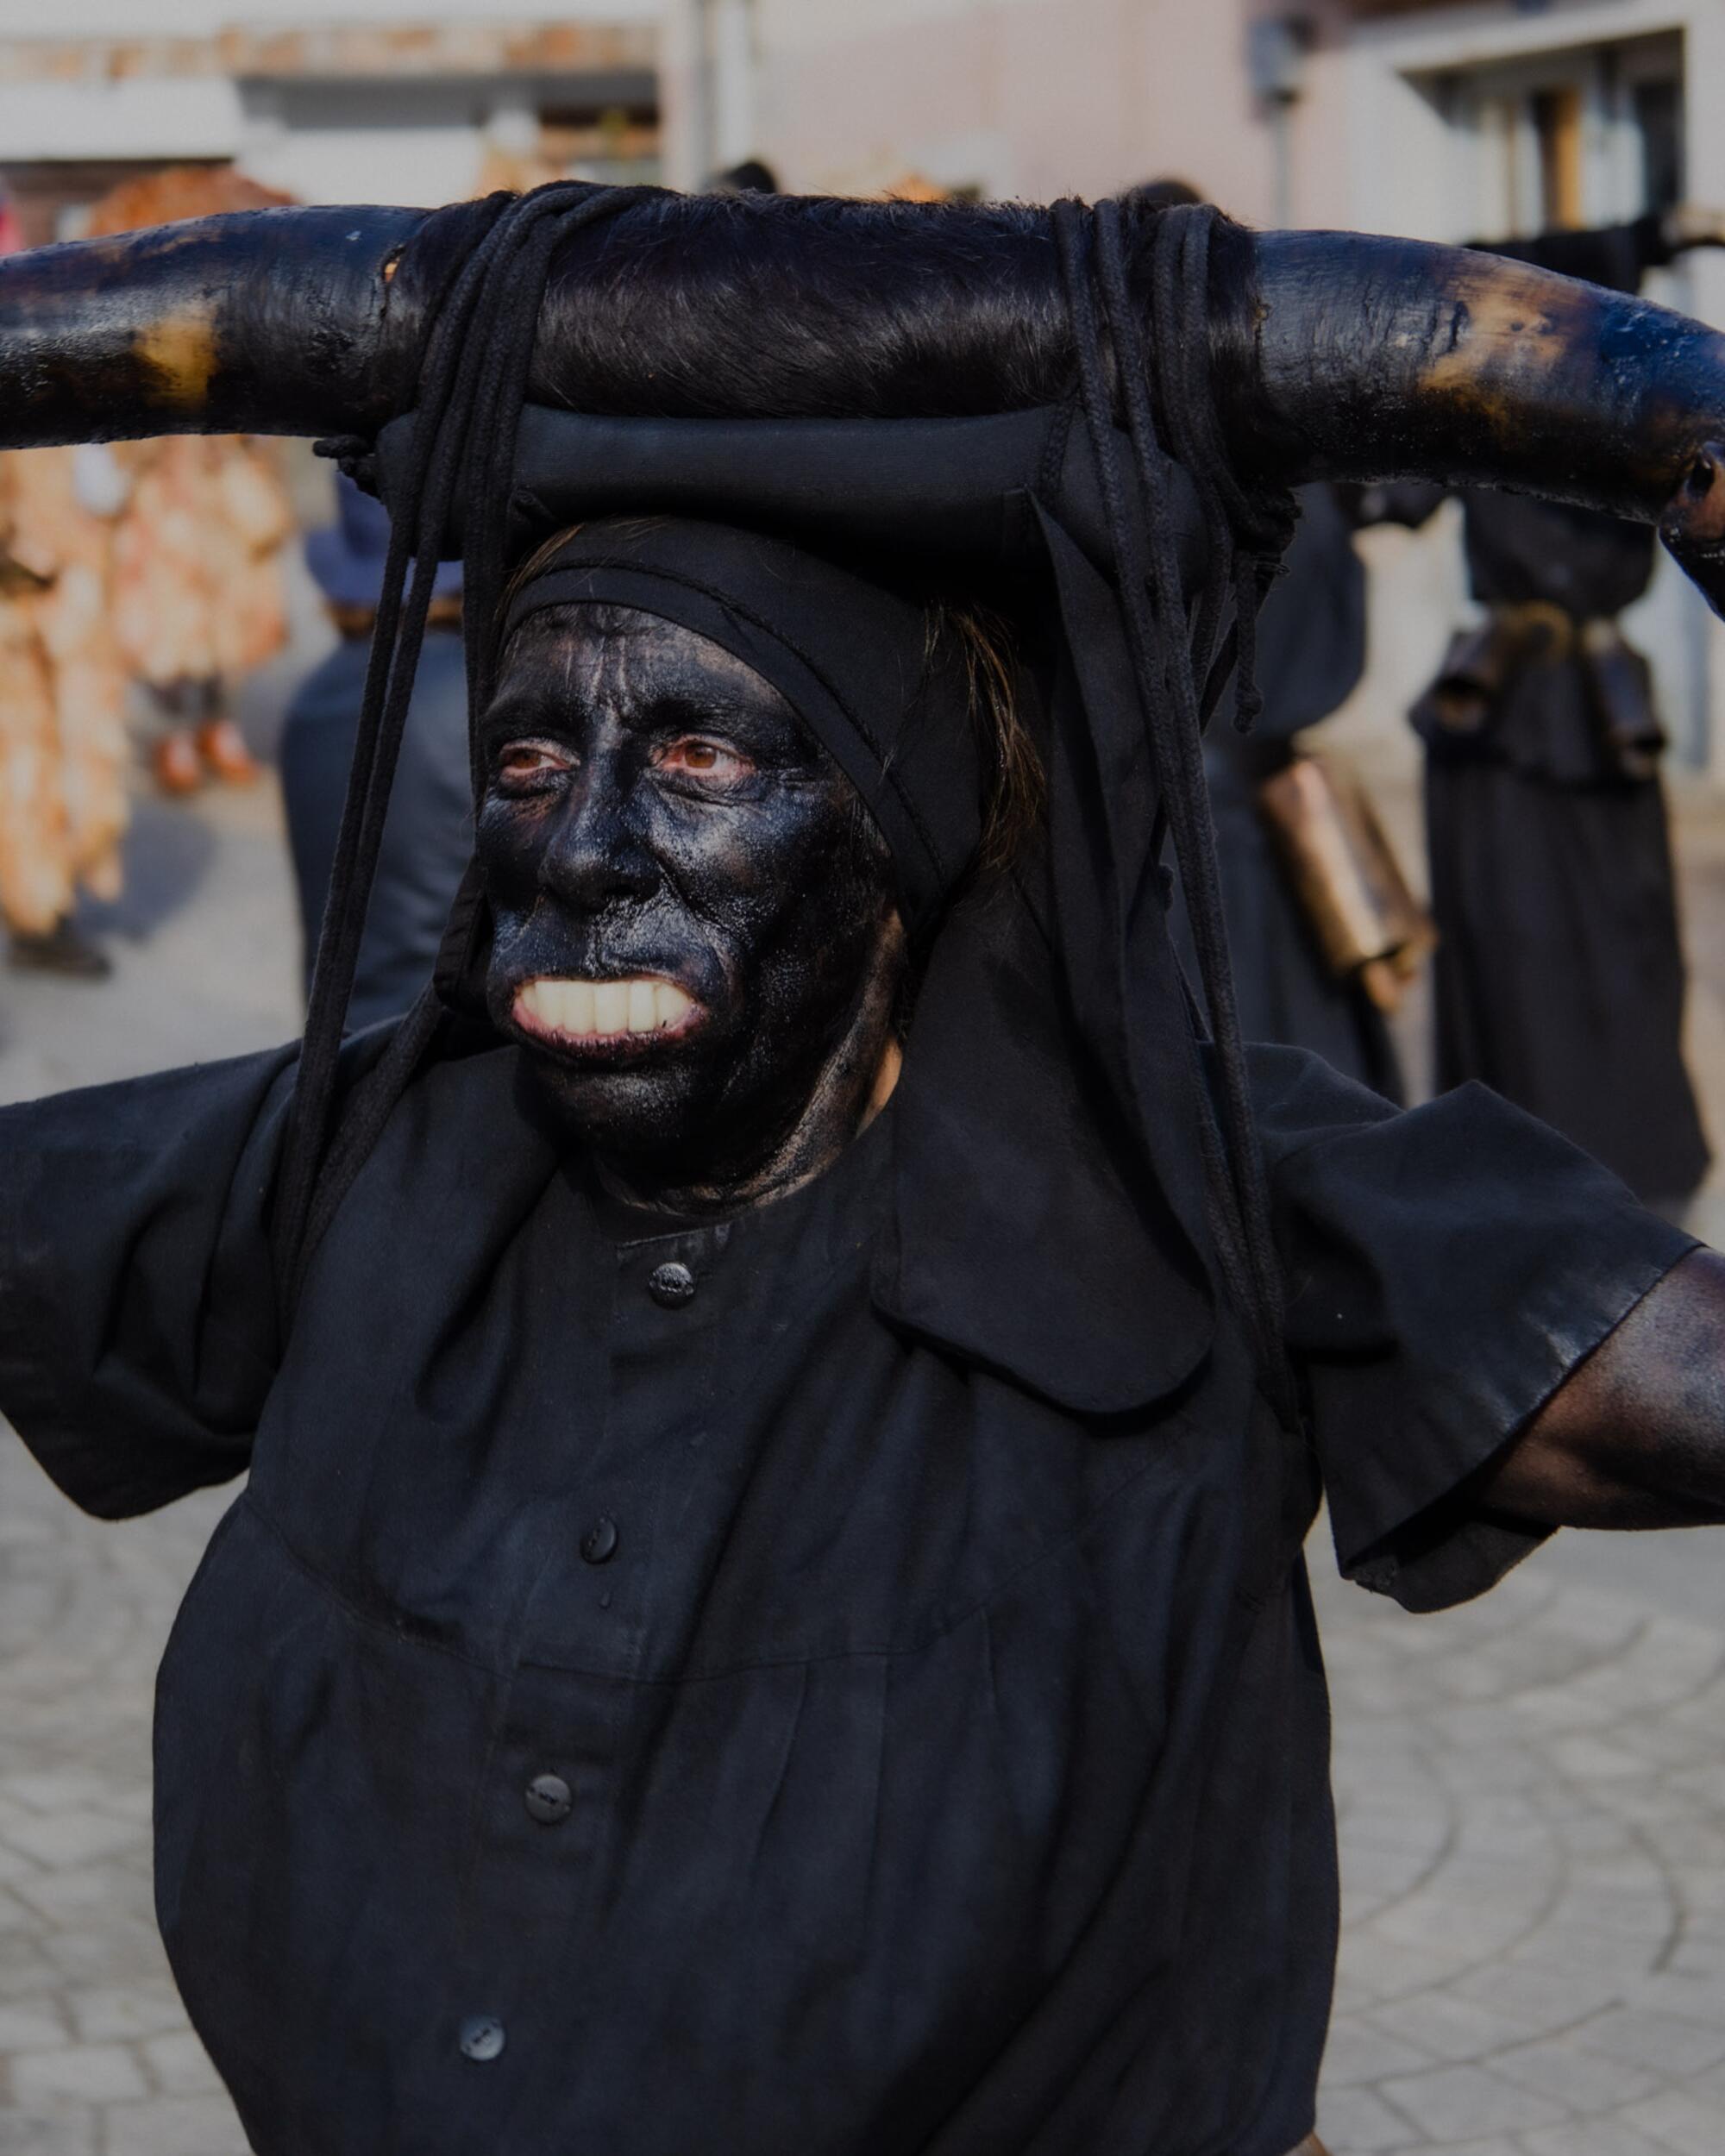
<point x="415" y="101"/>
<point x="1024" y="97"/>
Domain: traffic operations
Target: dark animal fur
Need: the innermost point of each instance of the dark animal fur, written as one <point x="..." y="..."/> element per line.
<point x="758" y="305"/>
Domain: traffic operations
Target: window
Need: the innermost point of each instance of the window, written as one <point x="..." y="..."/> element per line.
<point x="1573" y="138"/>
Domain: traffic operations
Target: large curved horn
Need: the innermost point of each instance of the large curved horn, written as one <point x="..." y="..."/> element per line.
<point x="1351" y="357"/>
<point x="269" y="321"/>
<point x="1339" y="356"/>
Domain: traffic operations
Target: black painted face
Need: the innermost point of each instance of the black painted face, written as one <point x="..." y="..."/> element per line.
<point x="696" y="932"/>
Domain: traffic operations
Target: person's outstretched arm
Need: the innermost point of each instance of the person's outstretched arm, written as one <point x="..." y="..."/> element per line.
<point x="1635" y="1436"/>
<point x="138" y="1324"/>
<point x="1494" y="1339"/>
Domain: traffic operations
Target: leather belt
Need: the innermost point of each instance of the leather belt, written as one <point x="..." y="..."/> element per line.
<point x="1545" y="631"/>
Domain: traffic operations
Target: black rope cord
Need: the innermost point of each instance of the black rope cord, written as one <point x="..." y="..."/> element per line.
<point x="472" y="388"/>
<point x="1248" y="532"/>
<point x="1252" y="528"/>
<point x="1171" y="657"/>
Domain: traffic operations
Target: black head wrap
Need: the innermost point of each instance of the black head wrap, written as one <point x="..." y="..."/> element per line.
<point x="1076" y="1170"/>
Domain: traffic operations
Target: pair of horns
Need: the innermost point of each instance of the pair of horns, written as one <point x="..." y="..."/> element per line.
<point x="1336" y="355"/>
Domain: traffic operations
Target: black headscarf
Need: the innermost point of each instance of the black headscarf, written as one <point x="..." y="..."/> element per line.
<point x="1071" y="1119"/>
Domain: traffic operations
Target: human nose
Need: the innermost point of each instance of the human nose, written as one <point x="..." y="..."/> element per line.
<point x="599" y="854"/>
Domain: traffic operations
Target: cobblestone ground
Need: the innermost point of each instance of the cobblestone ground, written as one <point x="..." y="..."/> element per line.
<point x="1532" y="1789"/>
<point x="96" y="2057"/>
<point x="1531" y="1795"/>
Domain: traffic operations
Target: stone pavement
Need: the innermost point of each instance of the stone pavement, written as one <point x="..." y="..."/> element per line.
<point x="1532" y="1789"/>
<point x="1531" y="1795"/>
<point x="96" y="2057"/>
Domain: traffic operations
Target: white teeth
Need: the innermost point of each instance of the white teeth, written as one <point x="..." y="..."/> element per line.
<point x="603" y="1008"/>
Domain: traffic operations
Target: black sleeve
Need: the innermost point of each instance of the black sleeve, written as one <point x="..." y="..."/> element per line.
<point x="138" y="1333"/>
<point x="1446" y="1269"/>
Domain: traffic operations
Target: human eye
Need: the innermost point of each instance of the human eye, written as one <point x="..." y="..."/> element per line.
<point x="520" y="766"/>
<point x="708" y="761"/>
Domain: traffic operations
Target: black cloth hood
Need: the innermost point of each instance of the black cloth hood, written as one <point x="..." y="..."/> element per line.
<point x="1050" y="1216"/>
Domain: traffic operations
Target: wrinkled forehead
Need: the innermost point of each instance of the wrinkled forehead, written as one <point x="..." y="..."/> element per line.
<point x="593" y="654"/>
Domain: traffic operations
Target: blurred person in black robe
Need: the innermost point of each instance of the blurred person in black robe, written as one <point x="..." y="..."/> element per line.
<point x="1311" y="655"/>
<point x="1560" y="977"/>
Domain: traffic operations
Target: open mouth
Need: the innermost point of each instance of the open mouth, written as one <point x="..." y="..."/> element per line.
<point x="605" y="1017"/>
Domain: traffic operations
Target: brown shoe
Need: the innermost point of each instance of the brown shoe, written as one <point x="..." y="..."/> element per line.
<point x="176" y="763"/>
<point x="220" y="745"/>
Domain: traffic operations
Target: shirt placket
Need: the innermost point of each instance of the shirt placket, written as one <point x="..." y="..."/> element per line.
<point x="559" y="1767"/>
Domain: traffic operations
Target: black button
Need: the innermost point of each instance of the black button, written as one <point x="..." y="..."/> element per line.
<point x="672" y="1284"/>
<point x="549" y="1799"/>
<point x="482" y="2038"/>
<point x="599" y="1544"/>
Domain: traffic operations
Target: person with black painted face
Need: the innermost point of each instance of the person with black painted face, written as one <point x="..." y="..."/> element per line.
<point x="783" y="1401"/>
<point x="696" y="928"/>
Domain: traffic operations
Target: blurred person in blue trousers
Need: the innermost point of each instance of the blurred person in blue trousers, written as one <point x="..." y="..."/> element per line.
<point x="428" y="837"/>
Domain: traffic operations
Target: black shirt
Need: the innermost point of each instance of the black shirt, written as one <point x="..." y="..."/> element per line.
<point x="647" y="1700"/>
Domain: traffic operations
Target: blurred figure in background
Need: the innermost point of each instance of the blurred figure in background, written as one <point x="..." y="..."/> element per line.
<point x="427" y="838"/>
<point x="62" y="746"/>
<point x="1560" y="977"/>
<point x="198" y="595"/>
<point x="752" y="177"/>
<point x="1322" y="929"/>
